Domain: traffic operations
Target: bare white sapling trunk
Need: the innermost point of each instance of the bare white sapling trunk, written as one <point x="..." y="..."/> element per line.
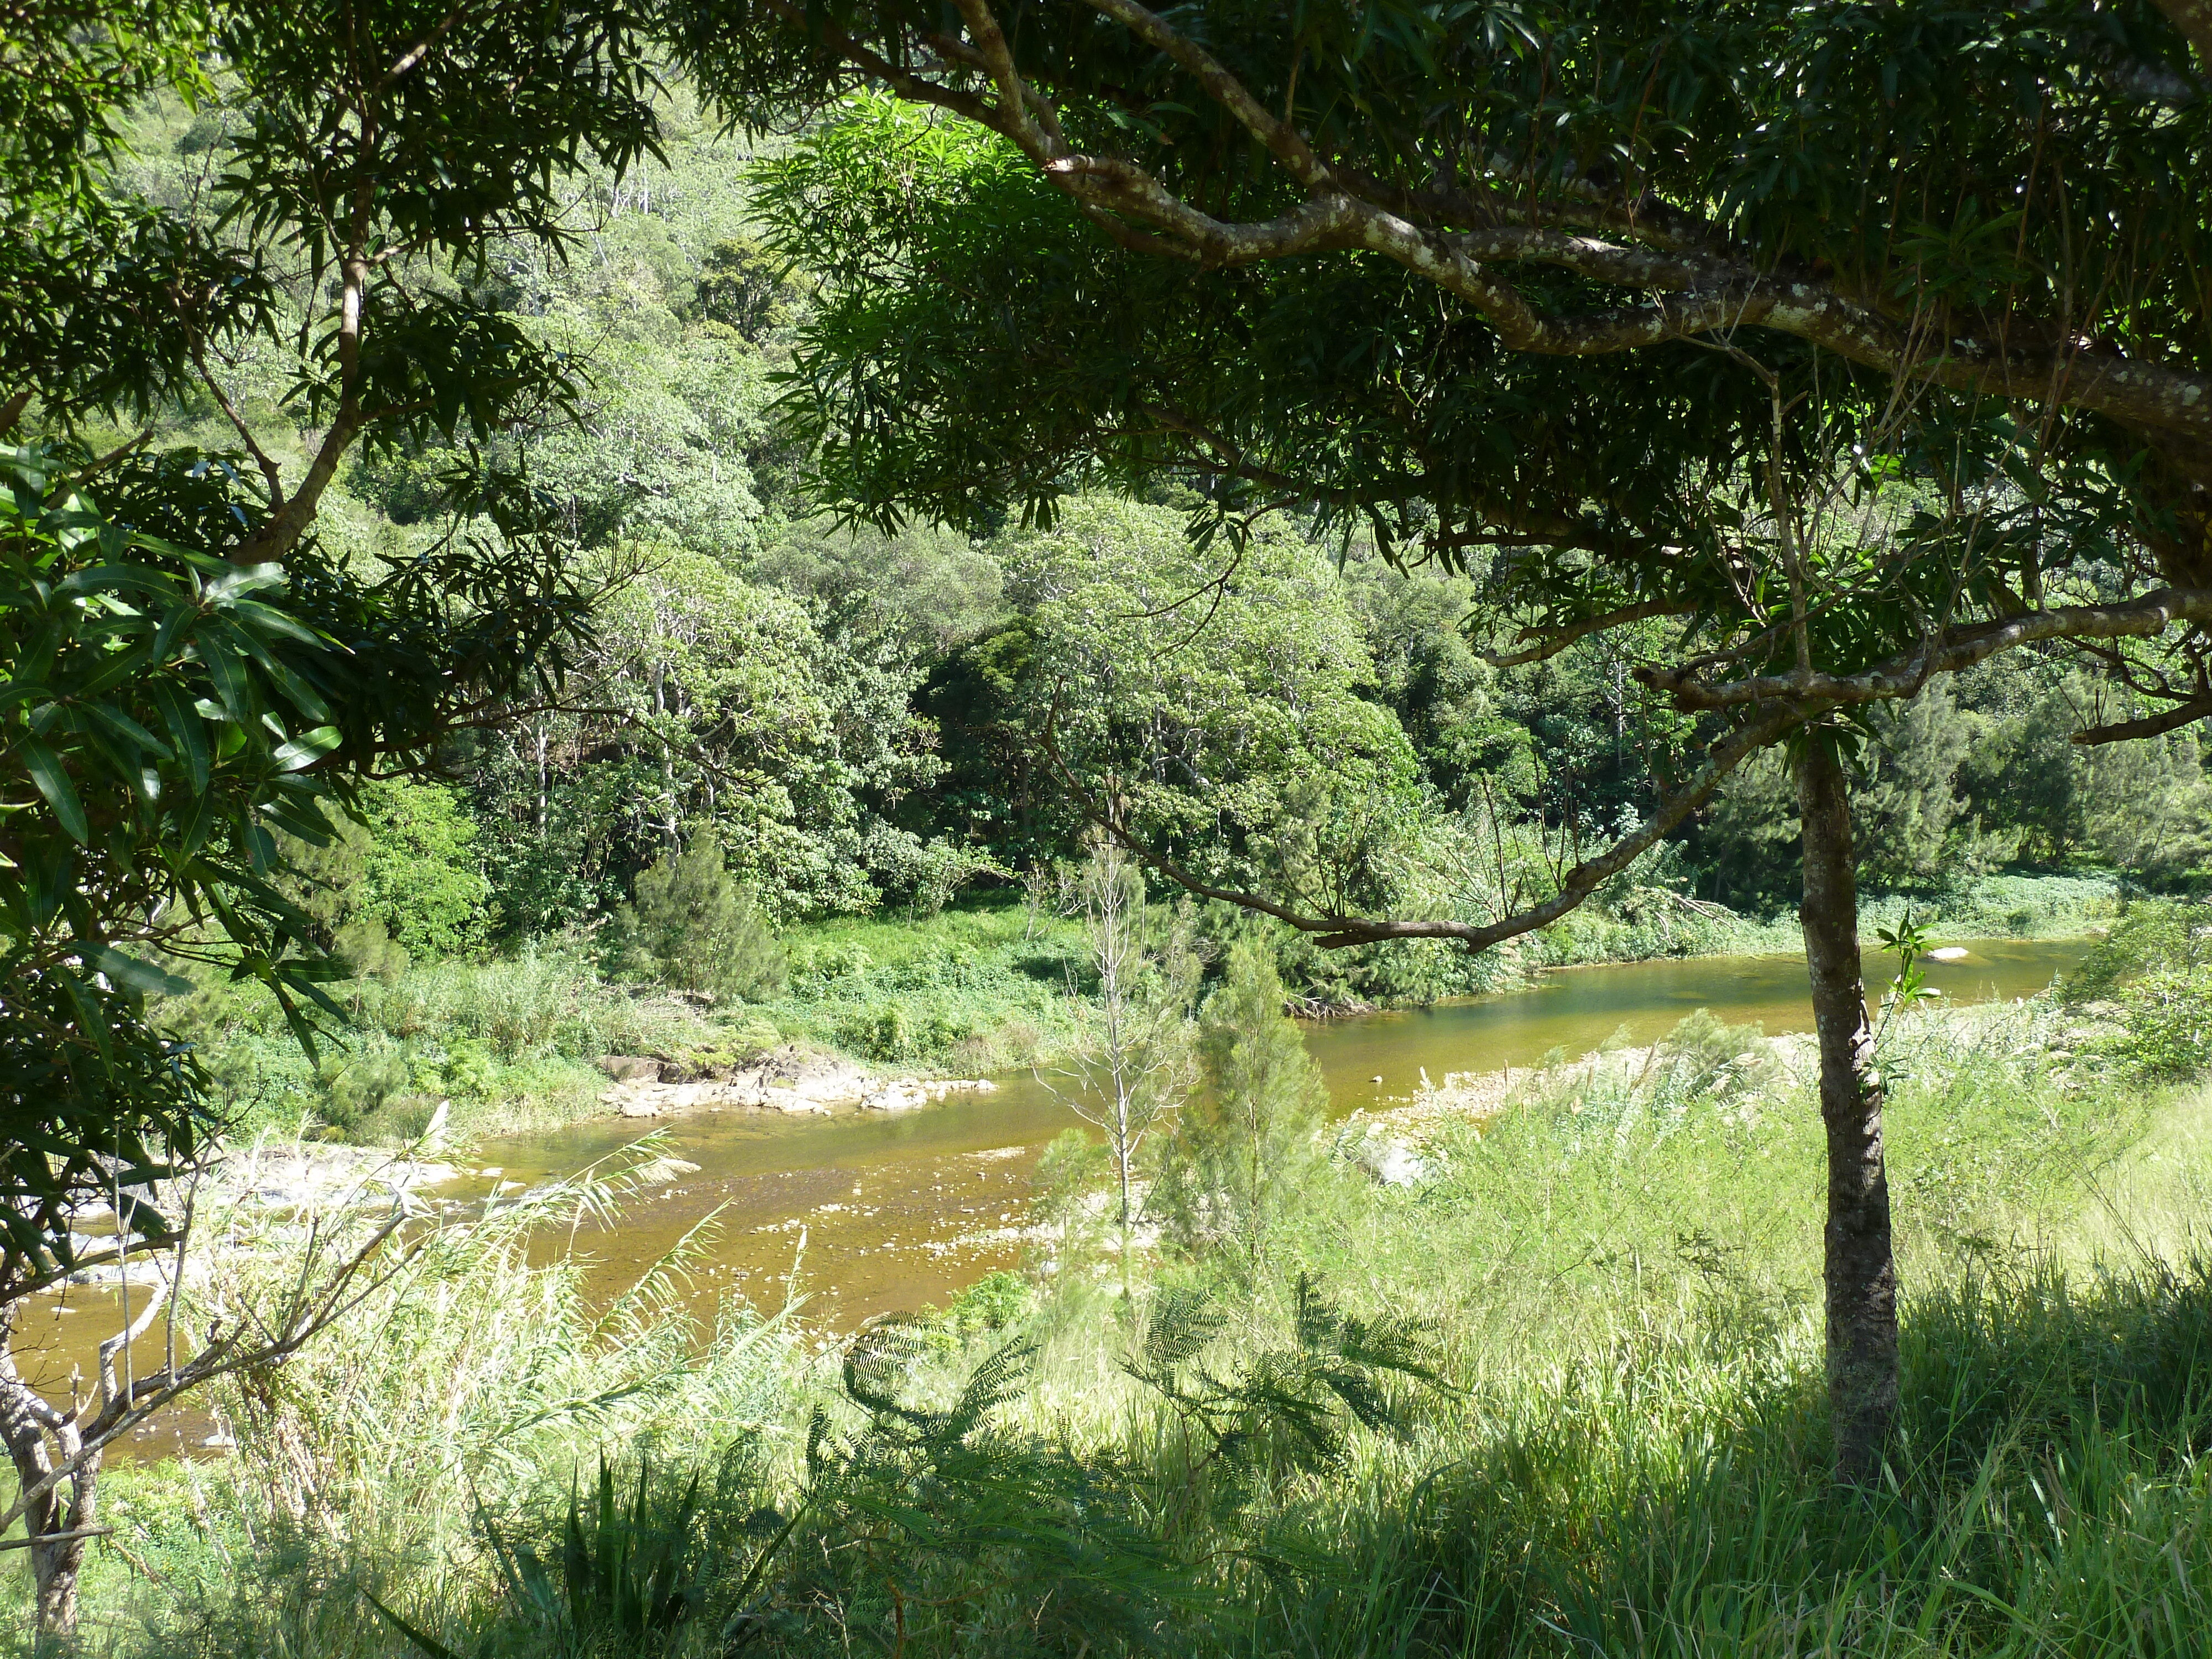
<point x="1132" y="1066"/>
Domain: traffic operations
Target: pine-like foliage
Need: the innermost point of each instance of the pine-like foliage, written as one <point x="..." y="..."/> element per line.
<point x="930" y="1526"/>
<point x="693" y="928"/>
<point x="1282" y="1406"/>
<point x="1246" y="1146"/>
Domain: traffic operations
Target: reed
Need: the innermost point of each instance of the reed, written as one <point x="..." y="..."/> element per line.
<point x="1559" y="1395"/>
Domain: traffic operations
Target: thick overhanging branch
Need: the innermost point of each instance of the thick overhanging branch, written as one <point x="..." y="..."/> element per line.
<point x="913" y="87"/>
<point x="1337" y="931"/>
<point x="2151" y="726"/>
<point x="1283" y="140"/>
<point x="1904" y="675"/>
<point x="1698" y="286"/>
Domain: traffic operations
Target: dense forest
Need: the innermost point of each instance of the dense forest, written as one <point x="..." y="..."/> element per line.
<point x="854" y="718"/>
<point x="751" y="754"/>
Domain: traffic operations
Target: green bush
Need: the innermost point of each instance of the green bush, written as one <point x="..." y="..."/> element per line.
<point x="2167" y="1029"/>
<point x="692" y="926"/>
<point x="1232" y="1167"/>
<point x="2150" y="936"/>
<point x="358" y="1086"/>
<point x="992" y="1303"/>
<point x="404" y="882"/>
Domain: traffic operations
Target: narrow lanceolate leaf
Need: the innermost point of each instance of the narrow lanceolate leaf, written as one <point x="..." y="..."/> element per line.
<point x="225" y="669"/>
<point x="92" y="1019"/>
<point x="174" y="624"/>
<point x="426" y="1643"/>
<point x="185" y="730"/>
<point x="114" y="673"/>
<point x="124" y="726"/>
<point x="270" y="620"/>
<point x="53" y="781"/>
<point x="133" y="975"/>
<point x="303" y="695"/>
<point x="306" y="749"/>
<point x="299" y="825"/>
<point x="235" y="582"/>
<point x="197" y="820"/>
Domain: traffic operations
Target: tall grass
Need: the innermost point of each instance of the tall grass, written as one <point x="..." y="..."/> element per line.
<point x="1624" y="1449"/>
<point x="475" y="1383"/>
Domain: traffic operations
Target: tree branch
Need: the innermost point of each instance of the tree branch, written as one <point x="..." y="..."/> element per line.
<point x="910" y="87"/>
<point x="1704" y="288"/>
<point x="2151" y="726"/>
<point x="271" y="474"/>
<point x="1902" y="676"/>
<point x="415" y="53"/>
<point x="1550" y="645"/>
<point x="1283" y="140"/>
<point x="1339" y="931"/>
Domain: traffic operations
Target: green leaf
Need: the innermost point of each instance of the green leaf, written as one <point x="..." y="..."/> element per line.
<point x="235" y="581"/>
<point x="193" y="827"/>
<point x="184" y="728"/>
<point x="133" y="975"/>
<point x="306" y="749"/>
<point x="114" y="672"/>
<point x="46" y="771"/>
<point x="92" y="1018"/>
<point x="430" y="1644"/>
<point x="177" y="620"/>
<point x="124" y="726"/>
<point x="298" y="823"/>
<point x="220" y="660"/>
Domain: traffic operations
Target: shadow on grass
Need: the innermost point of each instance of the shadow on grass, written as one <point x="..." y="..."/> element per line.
<point x="2045" y="1496"/>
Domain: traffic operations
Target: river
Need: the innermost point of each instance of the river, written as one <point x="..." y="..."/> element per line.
<point x="897" y="1210"/>
<point x="900" y="1209"/>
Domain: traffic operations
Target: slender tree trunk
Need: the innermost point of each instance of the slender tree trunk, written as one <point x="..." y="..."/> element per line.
<point x="1861" y="1267"/>
<point x="38" y="1436"/>
<point x="544" y="778"/>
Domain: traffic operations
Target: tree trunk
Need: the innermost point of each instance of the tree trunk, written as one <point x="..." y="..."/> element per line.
<point x="1860" y="1269"/>
<point x="38" y="1437"/>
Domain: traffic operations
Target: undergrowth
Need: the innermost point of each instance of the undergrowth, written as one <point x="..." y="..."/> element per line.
<point x="1558" y="1394"/>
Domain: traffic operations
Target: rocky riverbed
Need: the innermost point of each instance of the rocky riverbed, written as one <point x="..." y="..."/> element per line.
<point x="786" y="1079"/>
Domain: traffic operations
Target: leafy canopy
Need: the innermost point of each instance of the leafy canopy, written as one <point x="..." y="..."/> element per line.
<point x="1859" y="341"/>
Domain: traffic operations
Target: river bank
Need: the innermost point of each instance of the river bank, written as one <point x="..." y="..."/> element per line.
<point x="516" y="1046"/>
<point x="1599" y="1275"/>
<point x="872" y="1213"/>
<point x="782" y="1180"/>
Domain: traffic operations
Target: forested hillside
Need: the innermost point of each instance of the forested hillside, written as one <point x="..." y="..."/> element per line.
<point x="785" y="792"/>
<point x="857" y="719"/>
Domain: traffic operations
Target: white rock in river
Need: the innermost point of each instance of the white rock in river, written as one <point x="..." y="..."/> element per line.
<point x="1948" y="953"/>
<point x="904" y="1094"/>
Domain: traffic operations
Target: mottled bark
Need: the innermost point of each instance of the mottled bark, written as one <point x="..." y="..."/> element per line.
<point x="39" y="1438"/>
<point x="2193" y="18"/>
<point x="1861" y="1267"/>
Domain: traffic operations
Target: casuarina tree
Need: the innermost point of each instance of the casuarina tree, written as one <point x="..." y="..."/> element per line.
<point x="1810" y="352"/>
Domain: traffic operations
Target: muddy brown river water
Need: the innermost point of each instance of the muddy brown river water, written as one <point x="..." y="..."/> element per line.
<point x="900" y="1209"/>
<point x="876" y="1211"/>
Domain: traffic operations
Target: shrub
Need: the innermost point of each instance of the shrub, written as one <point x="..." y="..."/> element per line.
<point x="2150" y="936"/>
<point x="2168" y="1031"/>
<point x="1239" y="1155"/>
<point x="406" y="881"/>
<point x="693" y="927"/>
